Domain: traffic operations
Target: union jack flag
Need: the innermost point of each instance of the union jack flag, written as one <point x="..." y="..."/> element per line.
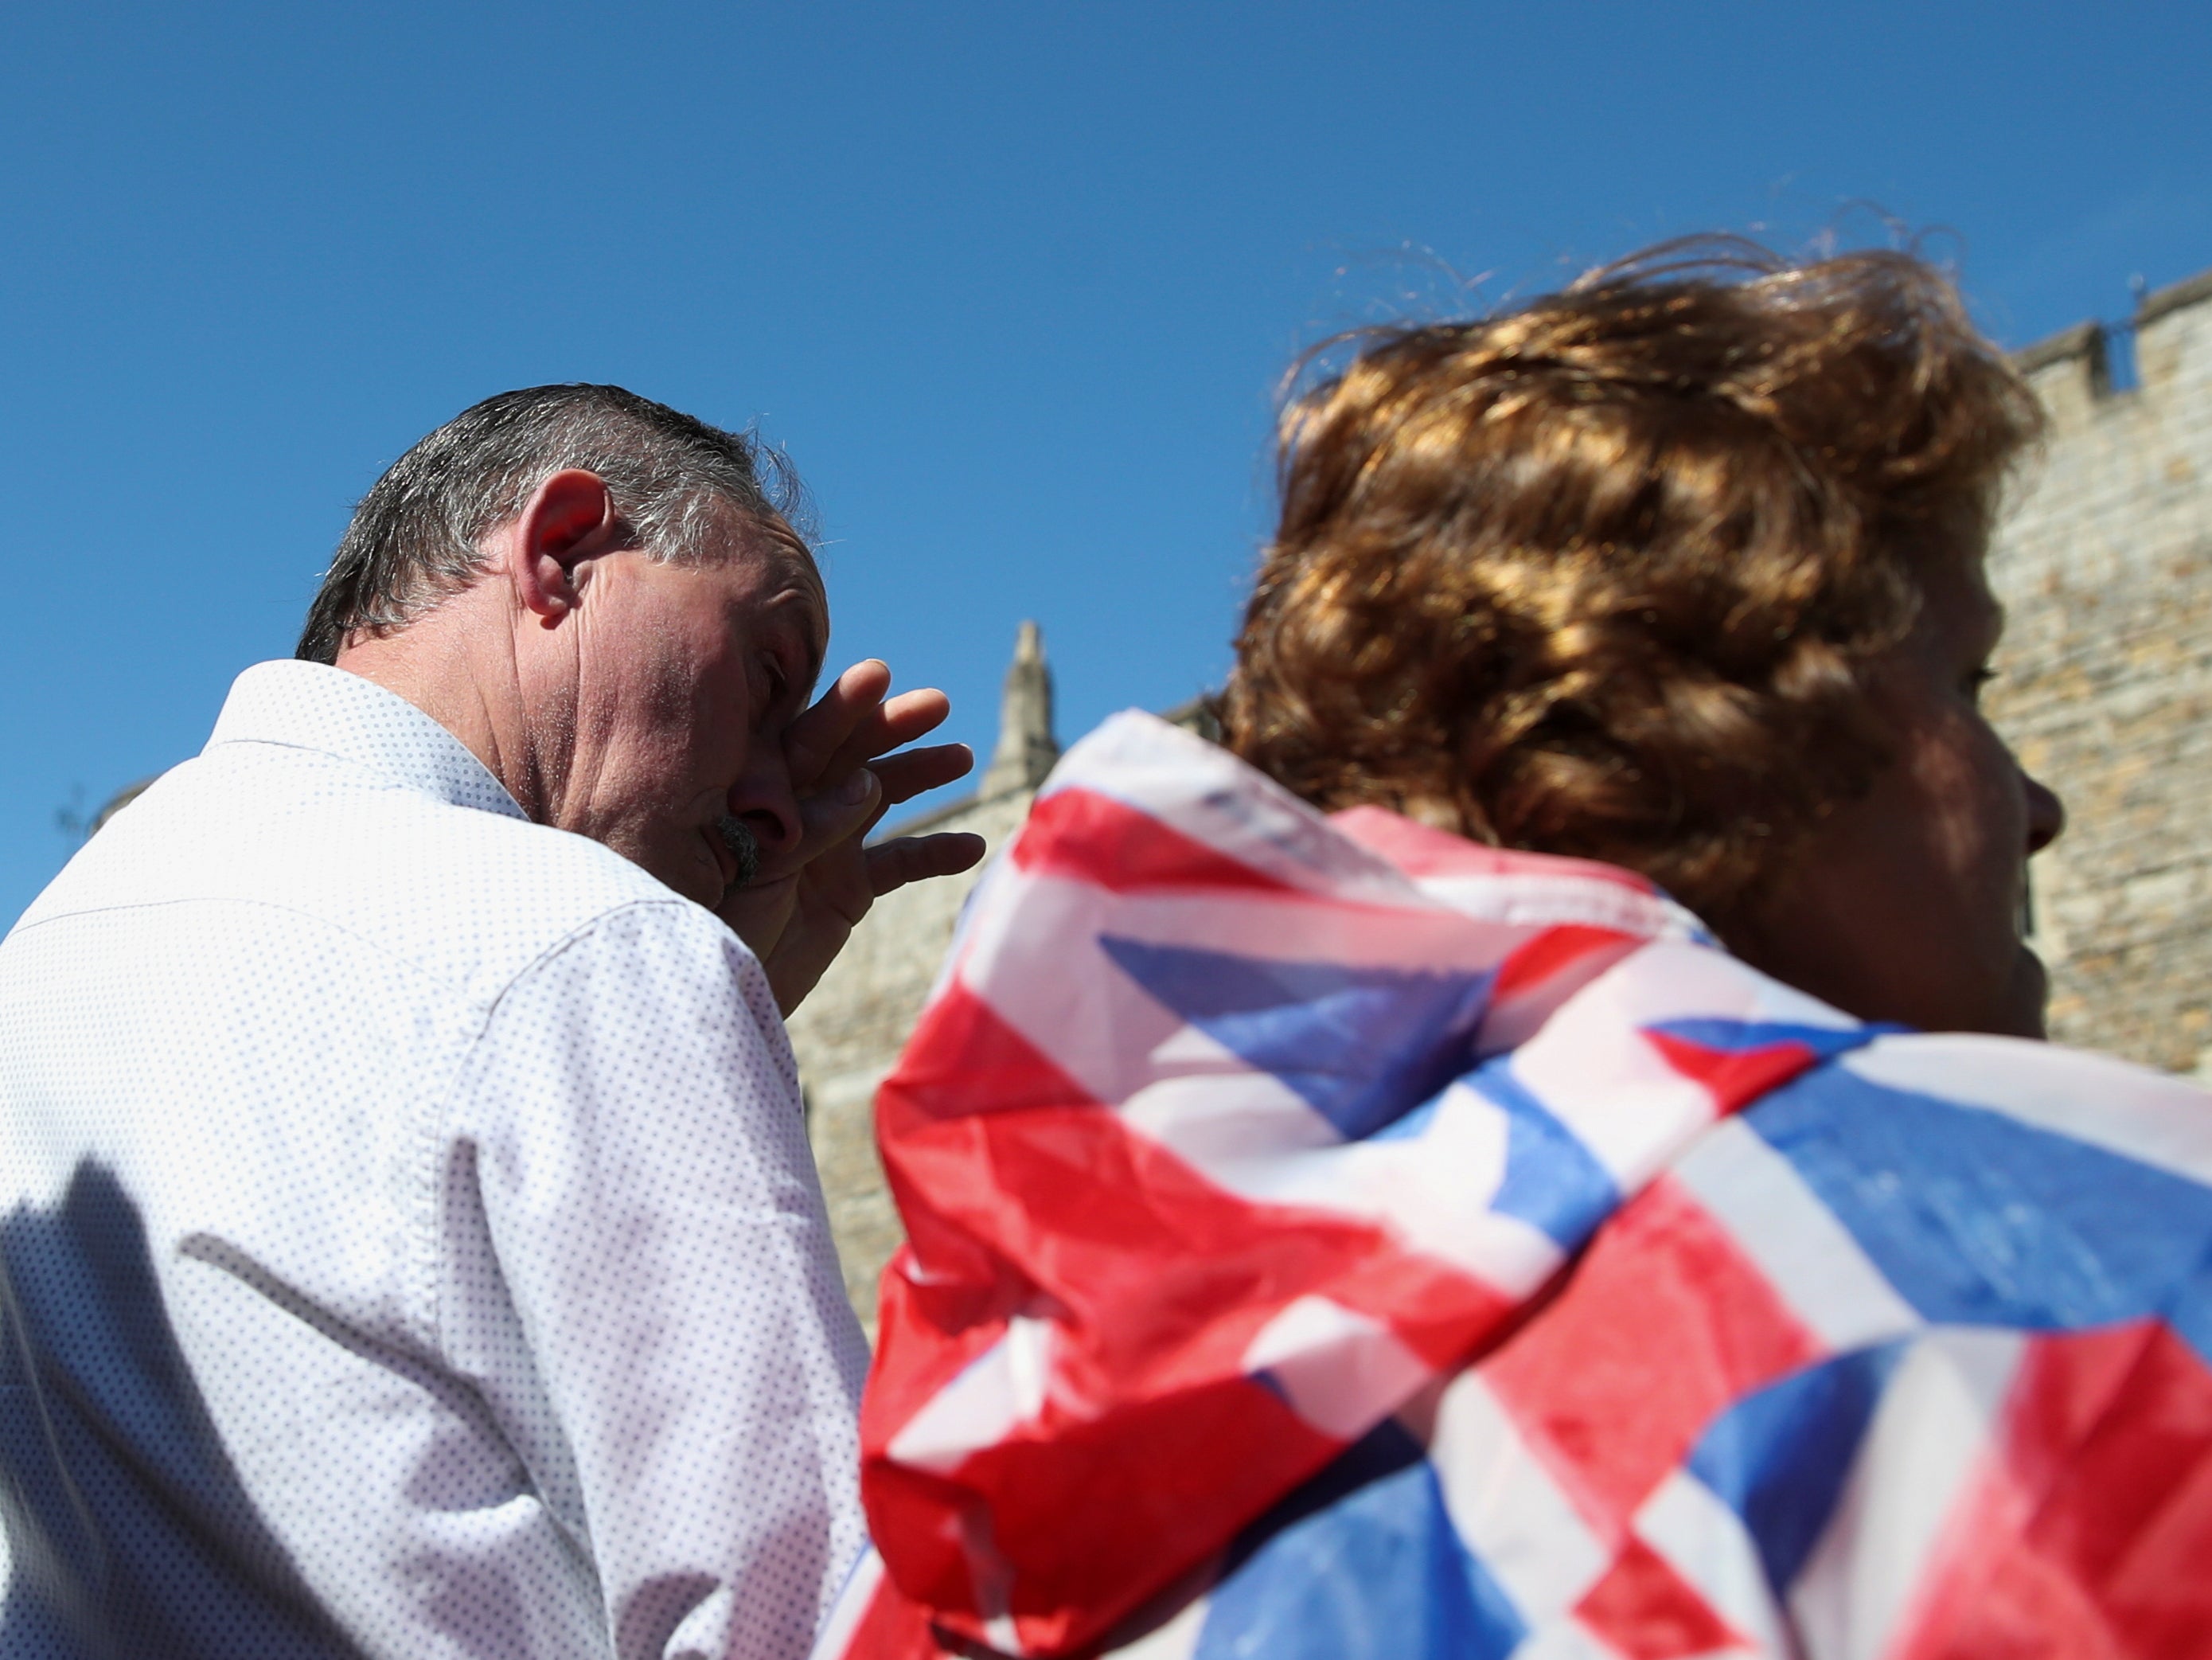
<point x="1331" y="1238"/>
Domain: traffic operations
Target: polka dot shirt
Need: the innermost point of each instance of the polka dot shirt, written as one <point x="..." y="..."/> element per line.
<point x="412" y="1244"/>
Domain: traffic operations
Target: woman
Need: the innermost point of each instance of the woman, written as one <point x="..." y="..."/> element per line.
<point x="1454" y="1175"/>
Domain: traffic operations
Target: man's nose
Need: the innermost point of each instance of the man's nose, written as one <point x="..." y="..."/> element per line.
<point x="2046" y="814"/>
<point x="763" y="800"/>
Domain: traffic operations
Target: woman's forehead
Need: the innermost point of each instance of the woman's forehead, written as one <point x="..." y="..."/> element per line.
<point x="1957" y="603"/>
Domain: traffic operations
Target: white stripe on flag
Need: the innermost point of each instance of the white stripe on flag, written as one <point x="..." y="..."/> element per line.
<point x="1567" y="1639"/>
<point x="1806" y="1255"/>
<point x="1697" y="1536"/>
<point x="845" y="1616"/>
<point x="1243" y="1129"/>
<point x="1931" y="1435"/>
<point x="1203" y="791"/>
<point x="1429" y="1190"/>
<point x="999" y="1389"/>
<point x="1512" y="1516"/>
<point x="1340" y="1371"/>
<point x="1597" y="1073"/>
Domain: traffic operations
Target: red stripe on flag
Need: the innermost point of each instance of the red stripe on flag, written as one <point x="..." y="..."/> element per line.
<point x="1735" y="1078"/>
<point x="1094" y="838"/>
<point x="1646" y="1611"/>
<point x="1157" y="1282"/>
<point x="961" y="1060"/>
<point x="1558" y="949"/>
<point x="1663" y="1324"/>
<point x="2090" y="1532"/>
<point x="1421" y="850"/>
<point x="964" y="1058"/>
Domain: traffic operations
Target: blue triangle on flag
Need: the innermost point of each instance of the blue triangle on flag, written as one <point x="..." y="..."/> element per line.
<point x="1553" y="1181"/>
<point x="1779" y="1457"/>
<point x="1361" y="1045"/>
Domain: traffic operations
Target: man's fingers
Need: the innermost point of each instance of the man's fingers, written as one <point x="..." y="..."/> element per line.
<point x="817" y="739"/>
<point x="833" y="750"/>
<point x="917" y="858"/>
<point x="900" y="720"/>
<point x="910" y="772"/>
<point x="827" y="817"/>
<point x="912" y="715"/>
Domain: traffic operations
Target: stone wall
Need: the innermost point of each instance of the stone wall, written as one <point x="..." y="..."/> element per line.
<point x="849" y="1031"/>
<point x="2105" y="567"/>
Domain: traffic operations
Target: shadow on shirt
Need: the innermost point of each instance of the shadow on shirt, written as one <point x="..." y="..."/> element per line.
<point x="129" y="1531"/>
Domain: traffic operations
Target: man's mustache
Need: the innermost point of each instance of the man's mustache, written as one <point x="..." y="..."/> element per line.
<point x="737" y="836"/>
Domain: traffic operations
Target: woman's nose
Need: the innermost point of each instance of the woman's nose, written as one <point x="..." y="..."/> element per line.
<point x="2046" y="814"/>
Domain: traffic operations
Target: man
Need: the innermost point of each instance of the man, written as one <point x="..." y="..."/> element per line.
<point x="415" y="1249"/>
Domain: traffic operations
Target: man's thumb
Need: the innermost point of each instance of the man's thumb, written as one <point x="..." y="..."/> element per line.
<point x="831" y="815"/>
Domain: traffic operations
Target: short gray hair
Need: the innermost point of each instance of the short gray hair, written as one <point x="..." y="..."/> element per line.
<point x="415" y="537"/>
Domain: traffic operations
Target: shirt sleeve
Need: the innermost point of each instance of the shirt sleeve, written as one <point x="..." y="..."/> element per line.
<point x="684" y="1370"/>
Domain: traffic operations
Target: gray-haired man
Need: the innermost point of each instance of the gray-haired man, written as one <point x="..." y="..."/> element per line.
<point x="414" y="1248"/>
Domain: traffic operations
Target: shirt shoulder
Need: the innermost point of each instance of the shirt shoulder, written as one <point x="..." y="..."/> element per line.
<point x="465" y="898"/>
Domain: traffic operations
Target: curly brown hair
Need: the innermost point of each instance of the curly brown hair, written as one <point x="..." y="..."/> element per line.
<point x="1604" y="574"/>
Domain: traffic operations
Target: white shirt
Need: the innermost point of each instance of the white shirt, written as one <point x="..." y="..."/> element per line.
<point x="413" y="1248"/>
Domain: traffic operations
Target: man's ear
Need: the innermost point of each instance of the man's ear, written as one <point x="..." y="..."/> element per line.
<point x="567" y="519"/>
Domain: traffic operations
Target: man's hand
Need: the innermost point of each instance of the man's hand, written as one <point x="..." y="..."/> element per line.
<point x="798" y="912"/>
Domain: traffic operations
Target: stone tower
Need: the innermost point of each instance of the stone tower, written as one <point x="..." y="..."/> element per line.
<point x="1026" y="747"/>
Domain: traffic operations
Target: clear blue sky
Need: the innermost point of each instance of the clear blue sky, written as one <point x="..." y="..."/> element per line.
<point x="1012" y="283"/>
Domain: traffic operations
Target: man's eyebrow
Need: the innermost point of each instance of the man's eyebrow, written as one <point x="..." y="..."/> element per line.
<point x="815" y="637"/>
<point x="807" y="579"/>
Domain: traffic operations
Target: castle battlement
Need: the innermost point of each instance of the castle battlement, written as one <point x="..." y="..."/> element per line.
<point x="2103" y="561"/>
<point x="2170" y="336"/>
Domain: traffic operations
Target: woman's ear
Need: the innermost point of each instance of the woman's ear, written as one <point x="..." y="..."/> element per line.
<point x="568" y="517"/>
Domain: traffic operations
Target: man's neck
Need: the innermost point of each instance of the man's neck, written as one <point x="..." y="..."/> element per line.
<point x="456" y="664"/>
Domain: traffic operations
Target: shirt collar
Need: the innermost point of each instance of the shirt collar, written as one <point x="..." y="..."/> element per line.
<point x="312" y="706"/>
